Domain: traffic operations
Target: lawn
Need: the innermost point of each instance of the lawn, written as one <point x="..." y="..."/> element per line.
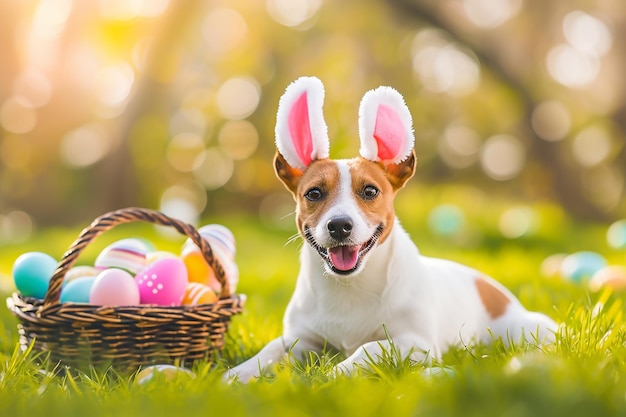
<point x="584" y="374"/>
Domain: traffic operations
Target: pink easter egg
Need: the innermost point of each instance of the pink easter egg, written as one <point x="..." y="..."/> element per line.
<point x="114" y="287"/>
<point x="163" y="282"/>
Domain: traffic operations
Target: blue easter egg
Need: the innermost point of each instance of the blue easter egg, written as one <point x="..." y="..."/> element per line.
<point x="77" y="290"/>
<point x="446" y="220"/>
<point x="581" y="266"/>
<point x="616" y="235"/>
<point x="32" y="272"/>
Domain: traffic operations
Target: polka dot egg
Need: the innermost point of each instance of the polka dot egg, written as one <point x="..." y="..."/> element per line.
<point x="163" y="282"/>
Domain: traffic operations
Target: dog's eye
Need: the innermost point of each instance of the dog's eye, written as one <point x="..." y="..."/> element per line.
<point x="314" y="194"/>
<point x="370" y="192"/>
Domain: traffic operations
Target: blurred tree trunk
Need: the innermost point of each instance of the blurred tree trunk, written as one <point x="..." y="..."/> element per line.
<point x="565" y="177"/>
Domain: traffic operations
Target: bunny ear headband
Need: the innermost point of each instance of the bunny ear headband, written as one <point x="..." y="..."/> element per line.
<point x="385" y="125"/>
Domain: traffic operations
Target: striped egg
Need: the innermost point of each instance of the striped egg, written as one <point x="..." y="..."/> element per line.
<point x="126" y="254"/>
<point x="197" y="293"/>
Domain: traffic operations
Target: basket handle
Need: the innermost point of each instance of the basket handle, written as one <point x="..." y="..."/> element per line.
<point x="127" y="215"/>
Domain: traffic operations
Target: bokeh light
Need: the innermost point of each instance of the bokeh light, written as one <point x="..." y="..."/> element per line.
<point x="132" y="9"/>
<point x="33" y="87"/>
<point x="489" y="14"/>
<point x="577" y="63"/>
<point x="185" y="151"/>
<point x="238" y="139"/>
<point x="459" y="146"/>
<point x="215" y="170"/>
<point x="17" y="116"/>
<point x="587" y="34"/>
<point x="592" y="146"/>
<point x="223" y="29"/>
<point x="502" y="157"/>
<point x="113" y="84"/>
<point x="293" y="13"/>
<point x="84" y="146"/>
<point x="551" y="120"/>
<point x="238" y="98"/>
<point x="16" y="226"/>
<point x="517" y="222"/>
<point x="442" y="66"/>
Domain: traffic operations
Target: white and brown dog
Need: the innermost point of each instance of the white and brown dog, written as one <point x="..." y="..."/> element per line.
<point x="363" y="284"/>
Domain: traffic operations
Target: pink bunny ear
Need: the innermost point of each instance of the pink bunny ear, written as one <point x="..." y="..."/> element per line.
<point x="301" y="132"/>
<point x="385" y="126"/>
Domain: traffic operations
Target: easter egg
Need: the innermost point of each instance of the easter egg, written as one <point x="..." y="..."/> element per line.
<point x="155" y="372"/>
<point x="581" y="266"/>
<point x="152" y="257"/>
<point x="200" y="271"/>
<point x="114" y="287"/>
<point x="446" y="220"/>
<point x="81" y="271"/>
<point x="32" y="272"/>
<point x="616" y="234"/>
<point x="197" y="293"/>
<point x="77" y="290"/>
<point x="163" y="282"/>
<point x="613" y="276"/>
<point x="126" y="254"/>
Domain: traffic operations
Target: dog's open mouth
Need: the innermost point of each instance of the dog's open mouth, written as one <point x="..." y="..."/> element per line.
<point x="344" y="259"/>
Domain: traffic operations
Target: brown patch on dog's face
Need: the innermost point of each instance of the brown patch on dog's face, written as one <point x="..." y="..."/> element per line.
<point x="494" y="300"/>
<point x="322" y="175"/>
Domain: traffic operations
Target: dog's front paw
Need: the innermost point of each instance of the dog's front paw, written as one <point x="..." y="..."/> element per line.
<point x="242" y="373"/>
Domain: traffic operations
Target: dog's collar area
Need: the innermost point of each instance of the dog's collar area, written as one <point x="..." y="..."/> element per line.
<point x="325" y="253"/>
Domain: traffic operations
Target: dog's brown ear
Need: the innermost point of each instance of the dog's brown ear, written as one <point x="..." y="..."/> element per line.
<point x="399" y="174"/>
<point x="288" y="175"/>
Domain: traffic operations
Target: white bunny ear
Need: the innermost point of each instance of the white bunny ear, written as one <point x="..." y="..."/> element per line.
<point x="385" y="126"/>
<point x="301" y="132"/>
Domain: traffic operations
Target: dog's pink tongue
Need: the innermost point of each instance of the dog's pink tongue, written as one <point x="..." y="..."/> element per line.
<point x="344" y="258"/>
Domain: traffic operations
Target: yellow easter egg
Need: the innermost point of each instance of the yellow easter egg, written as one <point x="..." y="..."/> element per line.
<point x="613" y="276"/>
<point x="197" y="268"/>
<point x="197" y="293"/>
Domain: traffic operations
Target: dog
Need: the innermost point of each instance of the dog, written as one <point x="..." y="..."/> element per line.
<point x="363" y="286"/>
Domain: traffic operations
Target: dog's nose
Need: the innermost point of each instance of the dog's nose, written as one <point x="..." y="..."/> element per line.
<point x="340" y="227"/>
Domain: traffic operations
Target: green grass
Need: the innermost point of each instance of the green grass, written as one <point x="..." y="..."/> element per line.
<point x="584" y="374"/>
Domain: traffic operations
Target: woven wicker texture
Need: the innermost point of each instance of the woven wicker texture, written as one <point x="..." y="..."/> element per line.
<point x="83" y="335"/>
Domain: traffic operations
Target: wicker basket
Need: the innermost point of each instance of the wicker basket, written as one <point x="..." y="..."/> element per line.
<point x="83" y="335"/>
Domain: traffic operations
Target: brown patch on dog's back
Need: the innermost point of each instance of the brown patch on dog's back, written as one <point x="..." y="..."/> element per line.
<point x="494" y="300"/>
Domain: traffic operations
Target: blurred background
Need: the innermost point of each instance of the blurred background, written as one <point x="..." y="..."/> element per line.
<point x="171" y="104"/>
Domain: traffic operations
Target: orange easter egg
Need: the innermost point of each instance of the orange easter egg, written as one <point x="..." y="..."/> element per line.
<point x="197" y="268"/>
<point x="197" y="293"/>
